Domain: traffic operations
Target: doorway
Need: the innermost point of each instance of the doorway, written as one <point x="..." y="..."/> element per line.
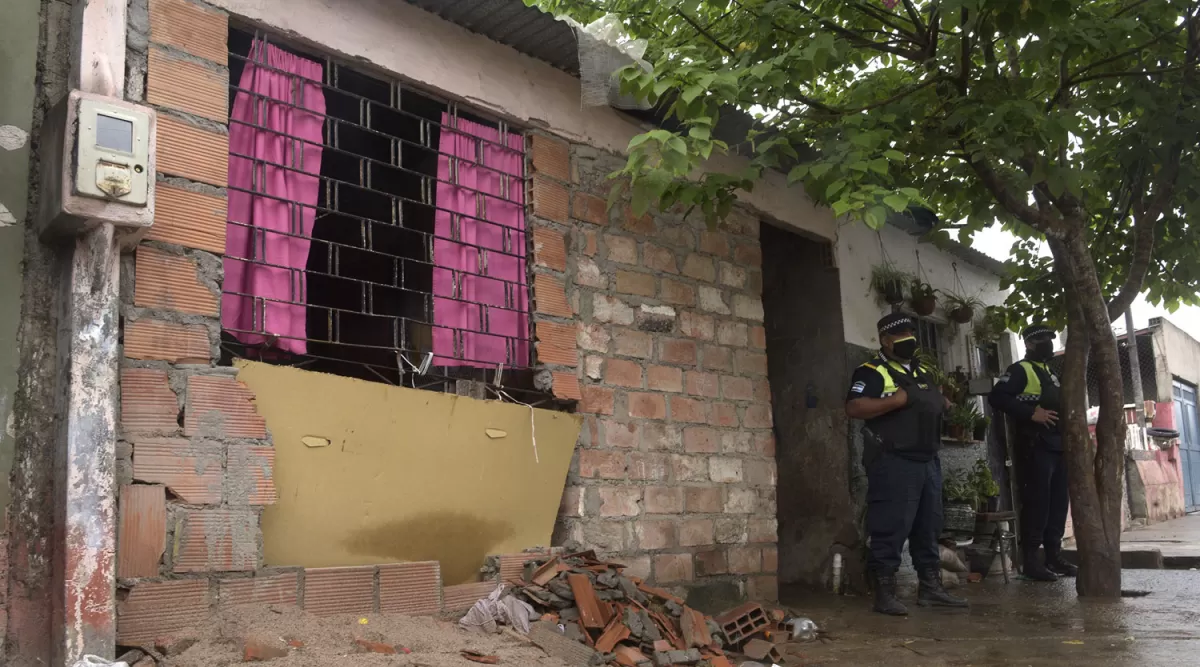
<point x="806" y="364"/>
<point x="1189" y="442"/>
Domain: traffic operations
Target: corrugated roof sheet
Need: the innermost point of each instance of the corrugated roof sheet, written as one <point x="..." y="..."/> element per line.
<point x="526" y="29"/>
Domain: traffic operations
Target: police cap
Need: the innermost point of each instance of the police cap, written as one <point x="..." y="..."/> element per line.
<point x="894" y="323"/>
<point x="1037" y="331"/>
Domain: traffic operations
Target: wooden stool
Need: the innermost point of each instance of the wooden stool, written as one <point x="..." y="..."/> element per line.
<point x="1002" y="535"/>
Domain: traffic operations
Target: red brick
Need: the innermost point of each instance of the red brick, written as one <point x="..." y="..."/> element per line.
<point x="737" y="442"/>
<point x="634" y="344"/>
<point x="556" y="343"/>
<point x="762" y="530"/>
<point x="689" y="468"/>
<point x="659" y="258"/>
<point x="216" y="540"/>
<point x="641" y="284"/>
<point x="596" y="400"/>
<point x="620" y="501"/>
<point x="745" y="560"/>
<point x="221" y="407"/>
<point x="757" y="416"/>
<point x="156" y="609"/>
<point x="464" y="596"/>
<point x="188" y="86"/>
<point x="762" y="390"/>
<point x="621" y="249"/>
<point x="750" y="363"/>
<point x="549" y="200"/>
<point x="566" y="386"/>
<point x="620" y="435"/>
<point x="664" y="378"/>
<point x="674" y="351"/>
<point x="642" y="225"/>
<point x="670" y="568"/>
<point x="593" y="337"/>
<point x="623" y="373"/>
<point x="588" y="243"/>
<point x="724" y="470"/>
<point x="193" y="153"/>
<point x="688" y="410"/>
<point x="703" y="500"/>
<point x="550" y="157"/>
<point x="187" y="218"/>
<point x="758" y="338"/>
<point x="732" y="333"/>
<point x="279" y="589"/>
<point x="410" y="588"/>
<point x="737" y="388"/>
<point x="644" y="466"/>
<point x="251" y="475"/>
<point x="723" y="414"/>
<point x="748" y="254"/>
<point x="148" y="339"/>
<point x="551" y="296"/>
<point x="590" y="208"/>
<point x="147" y="403"/>
<point x="717" y="358"/>
<point x="714" y="243"/>
<point x="141" y="530"/>
<point x="770" y="560"/>
<point x="549" y="248"/>
<point x="700" y="268"/>
<point x="647" y="406"/>
<point x="339" y="590"/>
<point x="190" y="28"/>
<point x="659" y="436"/>
<point x="655" y="534"/>
<point x="740" y="500"/>
<point x="677" y="293"/>
<point x="663" y="500"/>
<point x="696" y="533"/>
<point x="601" y="463"/>
<point x="192" y="471"/>
<point x="698" y="440"/>
<point x="701" y="384"/>
<point x="764" y="444"/>
<point x="709" y="563"/>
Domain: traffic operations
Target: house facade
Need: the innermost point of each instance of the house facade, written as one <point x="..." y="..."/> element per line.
<point x="385" y="327"/>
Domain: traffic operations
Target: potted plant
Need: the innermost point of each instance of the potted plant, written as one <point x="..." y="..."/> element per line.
<point x="960" y="421"/>
<point x="961" y="309"/>
<point x="958" y="504"/>
<point x="987" y="491"/>
<point x="888" y="281"/>
<point x="979" y="433"/>
<point x="922" y="297"/>
<point x="991" y="325"/>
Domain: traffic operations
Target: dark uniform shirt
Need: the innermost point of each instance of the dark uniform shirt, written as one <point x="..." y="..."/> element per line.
<point x="914" y="431"/>
<point x="1017" y="397"/>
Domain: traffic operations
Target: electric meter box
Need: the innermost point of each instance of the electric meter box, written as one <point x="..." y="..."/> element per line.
<point x="98" y="166"/>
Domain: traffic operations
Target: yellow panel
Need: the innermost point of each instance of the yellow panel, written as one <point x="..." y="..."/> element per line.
<point x="408" y="475"/>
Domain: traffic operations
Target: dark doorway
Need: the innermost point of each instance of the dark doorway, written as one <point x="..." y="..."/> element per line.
<point x="806" y="356"/>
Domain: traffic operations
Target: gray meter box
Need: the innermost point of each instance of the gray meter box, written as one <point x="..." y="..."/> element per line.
<point x="99" y="166"/>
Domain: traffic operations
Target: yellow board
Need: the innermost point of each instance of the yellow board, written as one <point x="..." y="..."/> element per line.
<point x="371" y="473"/>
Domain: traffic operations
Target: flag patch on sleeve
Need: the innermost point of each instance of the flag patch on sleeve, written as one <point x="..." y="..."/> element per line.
<point x="858" y="387"/>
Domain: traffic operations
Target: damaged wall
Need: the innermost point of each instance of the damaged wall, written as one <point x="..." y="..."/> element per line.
<point x="378" y="474"/>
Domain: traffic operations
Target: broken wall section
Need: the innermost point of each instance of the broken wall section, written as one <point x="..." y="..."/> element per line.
<point x="660" y="320"/>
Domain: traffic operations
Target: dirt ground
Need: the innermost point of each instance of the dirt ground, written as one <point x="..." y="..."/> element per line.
<point x="332" y="640"/>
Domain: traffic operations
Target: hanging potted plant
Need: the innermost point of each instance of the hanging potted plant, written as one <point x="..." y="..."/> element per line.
<point x="923" y="297"/>
<point x="888" y="281"/>
<point x="958" y="504"/>
<point x="961" y="309"/>
<point x="991" y="326"/>
<point x="987" y="491"/>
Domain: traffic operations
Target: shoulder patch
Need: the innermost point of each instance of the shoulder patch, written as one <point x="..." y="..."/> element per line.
<point x="1005" y="377"/>
<point x="858" y="387"/>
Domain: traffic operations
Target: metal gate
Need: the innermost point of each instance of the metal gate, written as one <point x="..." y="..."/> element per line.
<point x="1188" y="424"/>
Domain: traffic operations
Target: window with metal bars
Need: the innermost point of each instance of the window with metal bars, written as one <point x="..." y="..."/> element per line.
<point x="374" y="231"/>
<point x="929" y="338"/>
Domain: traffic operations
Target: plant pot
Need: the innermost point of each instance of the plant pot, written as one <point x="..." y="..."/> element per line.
<point x="992" y="504"/>
<point x="956" y="432"/>
<point x="924" y="305"/>
<point x="962" y="315"/>
<point x="980" y="432"/>
<point x="958" y="517"/>
<point x="893" y="292"/>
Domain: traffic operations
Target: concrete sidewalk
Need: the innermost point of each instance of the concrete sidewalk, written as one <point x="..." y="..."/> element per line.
<point x="1178" y="540"/>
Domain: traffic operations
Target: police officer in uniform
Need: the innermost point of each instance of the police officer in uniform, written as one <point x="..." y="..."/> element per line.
<point x="1029" y="392"/>
<point x="902" y="408"/>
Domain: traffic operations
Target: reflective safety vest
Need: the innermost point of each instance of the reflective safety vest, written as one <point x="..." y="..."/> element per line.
<point x="1033" y="382"/>
<point x="916" y="428"/>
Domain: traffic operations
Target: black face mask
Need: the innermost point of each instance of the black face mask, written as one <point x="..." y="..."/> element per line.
<point x="905" y="348"/>
<point x="1043" y="350"/>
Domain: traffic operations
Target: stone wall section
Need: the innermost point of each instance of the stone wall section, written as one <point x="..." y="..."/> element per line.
<point x="675" y="470"/>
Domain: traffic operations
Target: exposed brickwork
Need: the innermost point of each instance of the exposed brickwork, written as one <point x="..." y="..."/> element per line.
<point x="675" y="468"/>
<point x="191" y="28"/>
<point x="172" y="282"/>
<point x="152" y="339"/>
<point x="148" y="405"/>
<point x="191" y="471"/>
<point x="216" y="540"/>
<point x="157" y="609"/>
<point x="190" y="219"/>
<point x="410" y="588"/>
<point x="221" y="407"/>
<point x="261" y="589"/>
<point x="141" y="530"/>
<point x="339" y="590"/>
<point x="192" y="152"/>
<point x="185" y="85"/>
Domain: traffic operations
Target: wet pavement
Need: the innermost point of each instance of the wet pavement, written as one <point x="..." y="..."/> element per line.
<point x="1021" y="623"/>
<point x="1177" y="539"/>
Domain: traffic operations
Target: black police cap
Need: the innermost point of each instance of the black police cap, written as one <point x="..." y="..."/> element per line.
<point x="1036" y="330"/>
<point x="893" y="323"/>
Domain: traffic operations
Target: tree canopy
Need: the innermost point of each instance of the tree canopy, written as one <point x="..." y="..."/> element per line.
<point x="1037" y="115"/>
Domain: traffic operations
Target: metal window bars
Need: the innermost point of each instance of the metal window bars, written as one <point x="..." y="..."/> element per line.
<point x="366" y="288"/>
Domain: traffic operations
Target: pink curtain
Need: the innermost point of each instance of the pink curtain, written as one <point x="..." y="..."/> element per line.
<point x="480" y="296"/>
<point x="274" y="162"/>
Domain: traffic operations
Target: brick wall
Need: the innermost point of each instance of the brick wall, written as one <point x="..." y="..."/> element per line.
<point x="656" y="324"/>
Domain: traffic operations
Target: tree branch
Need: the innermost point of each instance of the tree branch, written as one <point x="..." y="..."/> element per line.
<point x="1015" y="205"/>
<point x="883" y="17"/>
<point x="700" y="29"/>
<point x="858" y="38"/>
<point x="1130" y="52"/>
<point x="914" y="16"/>
<point x="1111" y="75"/>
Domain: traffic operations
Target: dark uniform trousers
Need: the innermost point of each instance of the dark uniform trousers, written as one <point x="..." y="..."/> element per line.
<point x="904" y="501"/>
<point x="1044" y="496"/>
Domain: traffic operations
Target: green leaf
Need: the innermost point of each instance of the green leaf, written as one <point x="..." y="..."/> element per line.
<point x="700" y="133"/>
<point x="638" y="140"/>
<point x="897" y="203"/>
<point x="894" y="155"/>
<point x="690" y="93"/>
<point x="875" y="217"/>
<point x="841" y="207"/>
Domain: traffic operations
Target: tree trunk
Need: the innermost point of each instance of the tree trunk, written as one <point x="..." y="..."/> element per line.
<point x="1093" y="471"/>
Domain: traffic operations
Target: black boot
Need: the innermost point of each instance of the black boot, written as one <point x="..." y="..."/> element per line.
<point x="931" y="593"/>
<point x="1058" y="566"/>
<point x="1035" y="570"/>
<point x="885" y="595"/>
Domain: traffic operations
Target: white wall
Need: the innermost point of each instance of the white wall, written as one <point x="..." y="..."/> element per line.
<point x="1182" y="357"/>
<point x="860" y="248"/>
<point x="425" y="49"/>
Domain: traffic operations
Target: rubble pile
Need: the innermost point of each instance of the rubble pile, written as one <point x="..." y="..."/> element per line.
<point x="594" y="614"/>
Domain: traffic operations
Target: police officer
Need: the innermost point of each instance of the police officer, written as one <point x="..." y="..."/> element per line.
<point x="902" y="408"/>
<point x="1029" y="392"/>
